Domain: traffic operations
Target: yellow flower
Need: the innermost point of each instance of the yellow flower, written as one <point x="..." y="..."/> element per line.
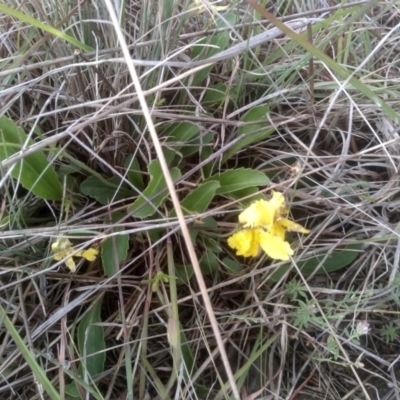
<point x="265" y="227"/>
<point x="198" y="7"/>
<point x="63" y="249"/>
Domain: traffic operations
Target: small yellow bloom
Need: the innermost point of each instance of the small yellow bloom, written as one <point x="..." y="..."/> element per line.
<point x="265" y="227"/>
<point x="63" y="249"/>
<point x="198" y="7"/>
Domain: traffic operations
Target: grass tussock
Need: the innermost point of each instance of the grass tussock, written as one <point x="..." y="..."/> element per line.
<point x="130" y="141"/>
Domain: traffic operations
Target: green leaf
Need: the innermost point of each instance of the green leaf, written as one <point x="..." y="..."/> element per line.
<point x="118" y="245"/>
<point x="338" y="259"/>
<point x="232" y="266"/>
<point x="255" y="129"/>
<point x="249" y="195"/>
<point x="216" y="94"/>
<point x="91" y="341"/>
<point x="238" y="179"/>
<point x="34" y="172"/>
<point x="207" y="169"/>
<point x="134" y="173"/>
<point x="147" y="204"/>
<point x="184" y="273"/>
<point x="197" y="144"/>
<point x="217" y="43"/>
<point x="208" y="263"/>
<point x="180" y="132"/>
<point x="200" y="198"/>
<point x="179" y="136"/>
<point x="71" y="389"/>
<point x="104" y="190"/>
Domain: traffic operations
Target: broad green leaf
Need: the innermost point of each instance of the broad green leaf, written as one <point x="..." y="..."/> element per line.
<point x="134" y="173"/>
<point x="184" y="273"/>
<point x="209" y="222"/>
<point x="338" y="259"/>
<point x="247" y="196"/>
<point x="216" y="94"/>
<point x="34" y="172"/>
<point x="206" y="152"/>
<point x="179" y="136"/>
<point x="238" y="179"/>
<point x="67" y="169"/>
<point x="232" y="266"/>
<point x="197" y="144"/>
<point x="200" y="198"/>
<point x="118" y="245"/>
<point x="180" y="132"/>
<point x="217" y="43"/>
<point x="256" y="129"/>
<point x="208" y="263"/>
<point x="71" y="389"/>
<point x="169" y="155"/>
<point x="91" y="341"/>
<point x="199" y="225"/>
<point x="156" y="191"/>
<point x="104" y="190"/>
<point x="212" y="244"/>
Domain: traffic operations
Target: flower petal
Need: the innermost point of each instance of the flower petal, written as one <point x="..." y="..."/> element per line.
<point x="277" y="230"/>
<point x="291" y="226"/>
<point x="258" y="214"/>
<point x="245" y="242"/>
<point x="58" y="256"/>
<point x="90" y="254"/>
<point x="274" y="246"/>
<point x="61" y="244"/>
<point x="69" y="262"/>
<point x="277" y="203"/>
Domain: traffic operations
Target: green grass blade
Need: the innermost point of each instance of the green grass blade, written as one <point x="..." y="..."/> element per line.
<point x="29" y="357"/>
<point x="49" y="29"/>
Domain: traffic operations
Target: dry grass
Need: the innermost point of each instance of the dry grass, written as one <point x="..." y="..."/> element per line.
<point x="328" y="145"/>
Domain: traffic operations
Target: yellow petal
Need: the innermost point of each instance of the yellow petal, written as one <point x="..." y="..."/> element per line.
<point x="291" y="226"/>
<point x="258" y="214"/>
<point x="277" y="203"/>
<point x="90" y="254"/>
<point x="245" y="242"/>
<point x="274" y="246"/>
<point x="58" y="257"/>
<point x="199" y="8"/>
<point x="61" y="244"/>
<point x="70" y="264"/>
<point x="278" y="230"/>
